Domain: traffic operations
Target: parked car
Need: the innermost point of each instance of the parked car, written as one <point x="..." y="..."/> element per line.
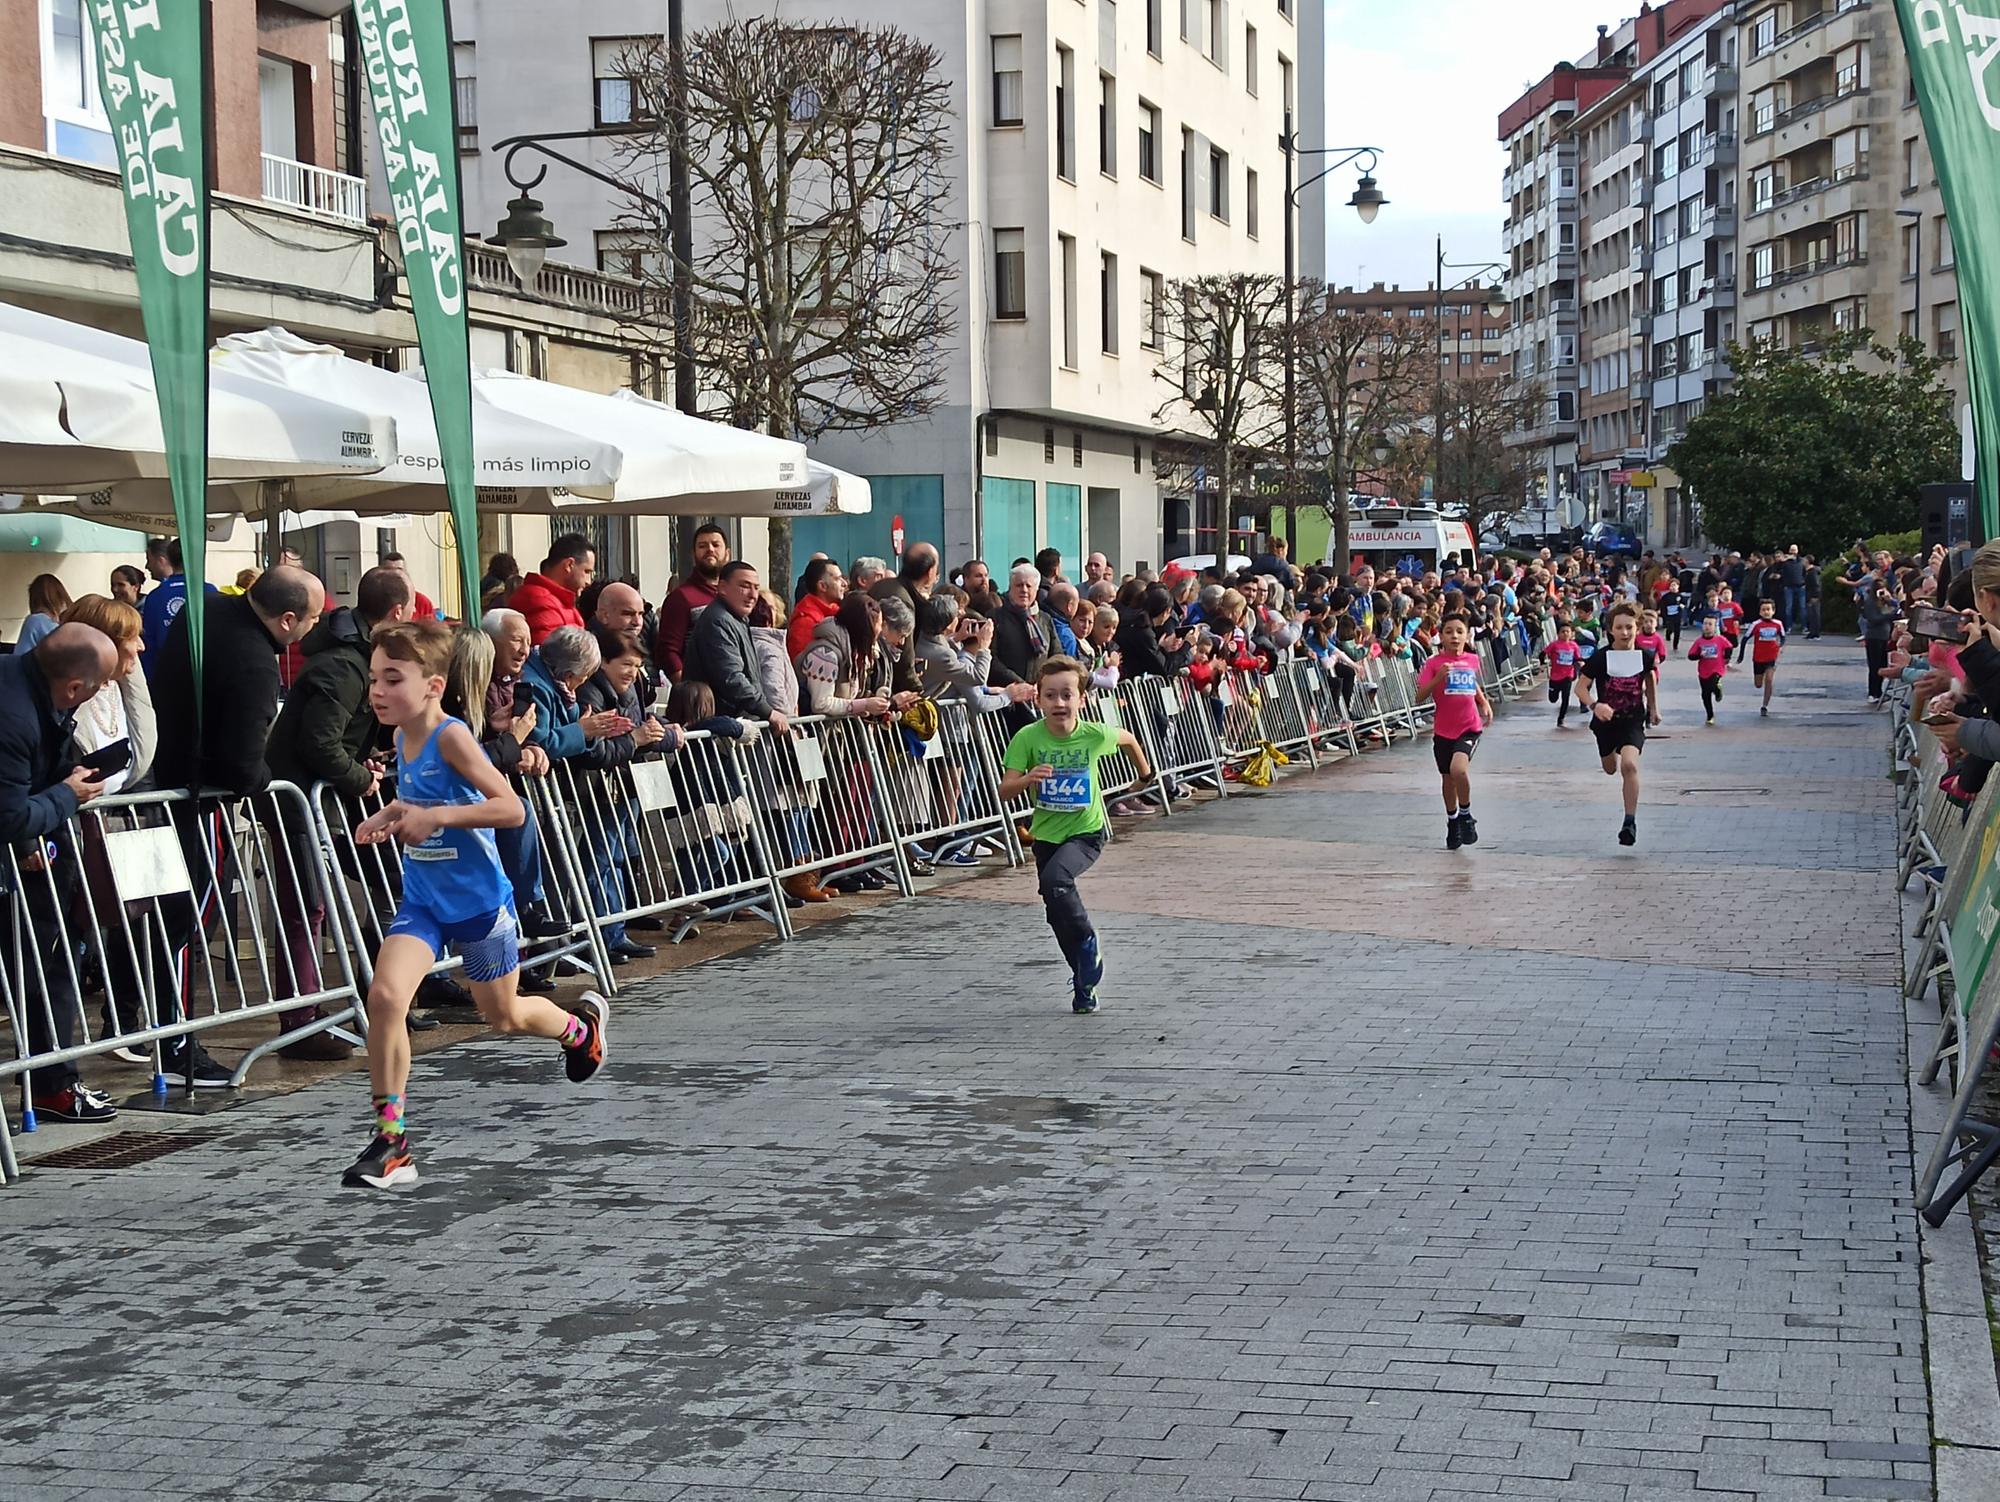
<point x="1607" y="539"/>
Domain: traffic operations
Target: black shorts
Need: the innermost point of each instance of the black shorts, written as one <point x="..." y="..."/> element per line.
<point x="1445" y="750"/>
<point x="1759" y="669"/>
<point x="1615" y="735"/>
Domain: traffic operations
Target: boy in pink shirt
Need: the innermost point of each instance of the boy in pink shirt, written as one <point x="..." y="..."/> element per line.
<point x="1451" y="680"/>
<point x="1709" y="652"/>
<point x="1563" y="654"/>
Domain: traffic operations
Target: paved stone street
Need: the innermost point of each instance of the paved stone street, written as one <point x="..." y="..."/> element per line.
<point x="1546" y="1170"/>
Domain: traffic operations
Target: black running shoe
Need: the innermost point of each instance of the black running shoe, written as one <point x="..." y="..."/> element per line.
<point x="1628" y="832"/>
<point x="1468" y="831"/>
<point x="387" y="1163"/>
<point x="587" y="1057"/>
<point x="1453" y="836"/>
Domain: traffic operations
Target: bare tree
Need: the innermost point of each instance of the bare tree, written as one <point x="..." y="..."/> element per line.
<point x="1475" y="467"/>
<point x="1222" y="355"/>
<point x="1362" y="380"/>
<point x="822" y="258"/>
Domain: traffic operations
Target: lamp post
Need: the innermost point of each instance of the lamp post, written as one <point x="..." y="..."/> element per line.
<point x="1367" y="201"/>
<point x="1496" y="307"/>
<point x="527" y="235"/>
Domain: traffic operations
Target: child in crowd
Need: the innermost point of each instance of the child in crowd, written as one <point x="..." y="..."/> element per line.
<point x="1588" y="630"/>
<point x="1060" y="758"/>
<point x="1563" y="655"/>
<point x="1451" y="679"/>
<point x="449" y="801"/>
<point x="1709" y="652"/>
<point x="1620" y="688"/>
<point x="1650" y="640"/>
<point x="1730" y="614"/>
<point x="1764" y="638"/>
<point x="1672" y="607"/>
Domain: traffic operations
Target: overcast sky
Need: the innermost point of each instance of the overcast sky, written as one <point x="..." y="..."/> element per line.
<point x="1426" y="80"/>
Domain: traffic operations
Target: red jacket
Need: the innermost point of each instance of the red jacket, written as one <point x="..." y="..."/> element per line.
<point x="676" y="617"/>
<point x="806" y="616"/>
<point x="546" y="604"/>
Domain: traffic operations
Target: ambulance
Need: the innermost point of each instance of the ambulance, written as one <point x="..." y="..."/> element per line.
<point x="1407" y="539"/>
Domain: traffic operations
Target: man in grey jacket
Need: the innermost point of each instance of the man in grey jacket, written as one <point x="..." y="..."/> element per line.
<point x="722" y="654"/>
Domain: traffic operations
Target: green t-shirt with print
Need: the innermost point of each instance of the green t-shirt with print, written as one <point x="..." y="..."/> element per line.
<point x="1072" y="801"/>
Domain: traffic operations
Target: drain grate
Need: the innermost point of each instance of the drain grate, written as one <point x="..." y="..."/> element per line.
<point x="125" y="1150"/>
<point x="1725" y="792"/>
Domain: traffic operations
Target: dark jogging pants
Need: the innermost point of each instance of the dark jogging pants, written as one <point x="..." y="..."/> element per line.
<point x="1057" y="870"/>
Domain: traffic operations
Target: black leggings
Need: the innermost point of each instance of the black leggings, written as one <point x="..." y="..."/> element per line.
<point x="1559" y="696"/>
<point x="1878" y="664"/>
<point x="1672" y="631"/>
<point x="1711" y="692"/>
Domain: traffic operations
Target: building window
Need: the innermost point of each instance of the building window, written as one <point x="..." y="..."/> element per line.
<point x="1911" y="235"/>
<point x="1218" y="184"/>
<point x="1764" y="33"/>
<point x="1250" y="60"/>
<point x="1149" y="141"/>
<point x="1763" y="261"/>
<point x="1667" y="159"/>
<point x="1065" y="114"/>
<point x="1107" y="125"/>
<point x="1285" y="100"/>
<point x="1912" y="172"/>
<point x="1215" y="45"/>
<point x="1665" y="96"/>
<point x="1187" y="184"/>
<point x="1945" y="318"/>
<point x="1152" y="309"/>
<point x="77" y="125"/>
<point x="1107" y="303"/>
<point x="633" y="254"/>
<point x="1048" y="445"/>
<point x="1692" y="212"/>
<point x="1850" y="74"/>
<point x="1066" y="245"/>
<point x="614" y="60"/>
<point x="1010" y="274"/>
<point x="1153" y="26"/>
<point x="465" y="94"/>
<point x="1009" y="96"/>
<point x="1076" y="448"/>
<point x="1945" y="256"/>
<point x="1250" y="203"/>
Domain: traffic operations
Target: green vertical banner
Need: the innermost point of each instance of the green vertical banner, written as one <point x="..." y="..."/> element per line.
<point x="152" y="72"/>
<point x="406" y="47"/>
<point x="1954" y="48"/>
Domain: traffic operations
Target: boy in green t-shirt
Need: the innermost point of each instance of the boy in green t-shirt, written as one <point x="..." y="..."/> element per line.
<point x="1058" y="757"/>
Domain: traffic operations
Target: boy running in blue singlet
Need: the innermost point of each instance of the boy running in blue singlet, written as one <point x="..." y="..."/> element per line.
<point x="449" y="800"/>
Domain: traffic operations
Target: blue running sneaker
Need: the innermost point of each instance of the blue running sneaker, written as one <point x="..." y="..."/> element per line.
<point x="1089" y="973"/>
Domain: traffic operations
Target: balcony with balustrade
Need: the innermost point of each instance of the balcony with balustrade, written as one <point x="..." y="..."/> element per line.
<point x="318" y="191"/>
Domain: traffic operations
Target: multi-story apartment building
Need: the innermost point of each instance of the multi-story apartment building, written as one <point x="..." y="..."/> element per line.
<point x="1473" y="339"/>
<point x="1843" y="224"/>
<point x="1658" y="229"/>
<point x="1103" y="151"/>
<point x="293" y="243"/>
<point x="1540" y="244"/>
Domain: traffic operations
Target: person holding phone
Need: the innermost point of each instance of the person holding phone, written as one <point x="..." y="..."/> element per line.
<point x="1879" y="614"/>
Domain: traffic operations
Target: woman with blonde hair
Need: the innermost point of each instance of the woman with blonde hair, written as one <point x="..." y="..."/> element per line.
<point x="47" y="601"/>
<point x="123" y="708"/>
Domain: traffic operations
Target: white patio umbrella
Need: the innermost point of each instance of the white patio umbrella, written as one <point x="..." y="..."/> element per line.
<point x="827" y="492"/>
<point x="78" y="411"/>
<point x="674" y="463"/>
<point x="517" y="454"/>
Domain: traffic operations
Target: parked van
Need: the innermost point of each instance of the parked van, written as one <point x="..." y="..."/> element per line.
<point x="1408" y="539"/>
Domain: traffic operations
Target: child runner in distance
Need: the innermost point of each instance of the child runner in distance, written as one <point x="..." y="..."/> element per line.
<point x="1451" y="678"/>
<point x="1563" y="654"/>
<point x="1057" y="756"/>
<point x="1620" y="688"/>
<point x="1650" y="640"/>
<point x="1765" y="638"/>
<point x="449" y="800"/>
<point x="1672" y="607"/>
<point x="1709" y="652"/>
<point x="1731" y="615"/>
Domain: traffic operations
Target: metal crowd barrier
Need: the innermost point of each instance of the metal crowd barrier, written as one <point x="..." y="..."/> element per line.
<point x="1173" y="722"/>
<point x="825" y="804"/>
<point x="151" y="918"/>
<point x="945" y="791"/>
